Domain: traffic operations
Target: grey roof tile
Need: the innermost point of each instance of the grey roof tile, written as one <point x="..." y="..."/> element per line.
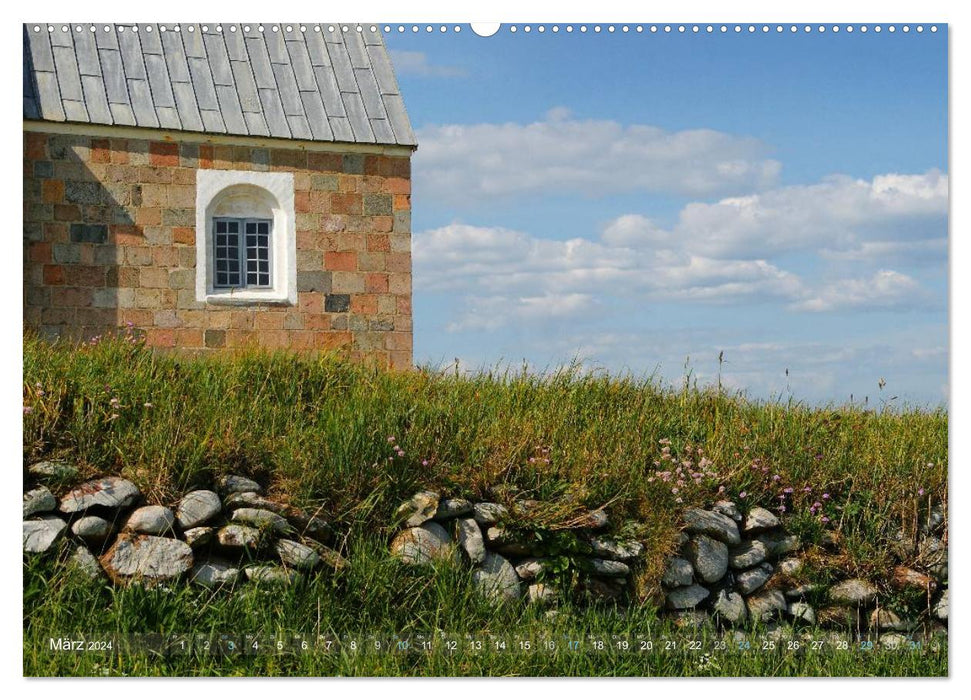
<point x="341" y="127"/>
<point x="276" y="120"/>
<point x="287" y="87"/>
<point x="256" y="124"/>
<point x="158" y="79"/>
<point x="131" y="55"/>
<point x="86" y="50"/>
<point x="249" y="98"/>
<point x="315" y="85"/>
<point x="96" y="99"/>
<point x="122" y="114"/>
<point x="357" y="116"/>
<point x="141" y="103"/>
<point x="74" y="111"/>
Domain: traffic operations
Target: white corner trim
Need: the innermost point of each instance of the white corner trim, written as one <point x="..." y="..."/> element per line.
<point x="272" y="190"/>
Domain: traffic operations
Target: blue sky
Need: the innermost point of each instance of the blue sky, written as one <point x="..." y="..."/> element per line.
<point x="642" y="200"/>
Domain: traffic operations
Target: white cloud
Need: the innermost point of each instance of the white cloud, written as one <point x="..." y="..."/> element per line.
<point x="561" y="155"/>
<point x="491" y="313"/>
<point x="460" y="257"/>
<point x="885" y="289"/>
<point x="837" y="213"/>
<point x="933" y="250"/>
<point x="416" y="63"/>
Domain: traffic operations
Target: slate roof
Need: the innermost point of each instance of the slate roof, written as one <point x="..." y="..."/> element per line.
<point x="314" y="85"/>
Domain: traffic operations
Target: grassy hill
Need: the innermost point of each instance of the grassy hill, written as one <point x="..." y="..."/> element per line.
<point x="322" y="432"/>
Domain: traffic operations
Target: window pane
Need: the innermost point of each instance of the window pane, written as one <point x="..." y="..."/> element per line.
<point x="226" y="253"/>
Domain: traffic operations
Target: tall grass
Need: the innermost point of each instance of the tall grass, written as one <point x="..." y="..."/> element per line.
<point x="322" y="433"/>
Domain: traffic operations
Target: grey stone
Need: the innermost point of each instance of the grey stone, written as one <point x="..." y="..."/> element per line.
<point x="903" y="546"/>
<point x="730" y="606"/>
<point x="709" y="557"/>
<point x="489" y="513"/>
<point x="230" y="483"/>
<point x="766" y="605"/>
<point x="759" y="520"/>
<point x="39" y="500"/>
<point x="297" y="555"/>
<point x="747" y="554"/>
<point x="239" y="537"/>
<point x="802" y="591"/>
<point x="470" y="540"/>
<point x="109" y="492"/>
<point x="686" y="597"/>
<point x="333" y="303"/>
<point x="728" y="508"/>
<point x="753" y="579"/>
<point x="893" y="640"/>
<point x="197" y="508"/>
<point x="853" y="591"/>
<point x="198" y="536"/>
<point x="146" y="558"/>
<point x="883" y="619"/>
<point x="616" y="549"/>
<point x="594" y="520"/>
<point x="940" y="608"/>
<point x="251" y="499"/>
<point x="424" y="544"/>
<point x="541" y="593"/>
<point x="506" y="543"/>
<point x="92" y="528"/>
<point x="151" y="520"/>
<point x="328" y="557"/>
<point x="705" y="522"/>
<point x="682" y="540"/>
<point x="85" y="562"/>
<point x="263" y="520"/>
<point x="452" y="508"/>
<point x="608" y="567"/>
<point x="496" y="579"/>
<point x="790" y="566"/>
<point x="214" y="573"/>
<point x="40" y="533"/>
<point x="272" y="575"/>
<point x="803" y="612"/>
<point x="419" y="508"/>
<point x="779" y="544"/>
<point x="529" y="569"/>
<point x="54" y="469"/>
<point x="934" y="522"/>
<point x="677" y="573"/>
<point x="932" y="556"/>
<point x="311" y="526"/>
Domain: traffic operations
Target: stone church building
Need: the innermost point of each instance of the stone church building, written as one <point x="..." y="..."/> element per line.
<point x="218" y="186"/>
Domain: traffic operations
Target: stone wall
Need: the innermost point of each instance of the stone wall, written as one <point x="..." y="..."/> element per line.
<point x="109" y="241"/>
<point x="215" y="537"/>
<point x="731" y="569"/>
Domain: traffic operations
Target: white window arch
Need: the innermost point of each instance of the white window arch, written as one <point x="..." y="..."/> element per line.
<point x="245" y="237"/>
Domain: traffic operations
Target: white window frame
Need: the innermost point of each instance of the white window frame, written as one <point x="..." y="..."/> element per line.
<point x="276" y="188"/>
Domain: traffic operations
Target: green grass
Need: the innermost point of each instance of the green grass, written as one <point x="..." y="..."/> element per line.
<point x="378" y="595"/>
<point x="316" y="431"/>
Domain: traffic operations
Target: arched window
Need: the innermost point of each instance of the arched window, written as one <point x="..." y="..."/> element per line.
<point x="245" y="237"/>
